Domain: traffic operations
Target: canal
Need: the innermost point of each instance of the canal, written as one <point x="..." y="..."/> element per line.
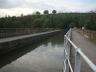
<point x="42" y="56"/>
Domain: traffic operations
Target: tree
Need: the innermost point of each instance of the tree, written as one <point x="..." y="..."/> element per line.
<point x="71" y="25"/>
<point x="22" y="15"/>
<point x="37" y="23"/>
<point x="54" y="11"/>
<point x="46" y="12"/>
<point x="91" y="22"/>
<point x="60" y="20"/>
<point x="38" y="13"/>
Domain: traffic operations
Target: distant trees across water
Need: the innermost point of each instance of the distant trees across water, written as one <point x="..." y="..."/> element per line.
<point x="54" y="20"/>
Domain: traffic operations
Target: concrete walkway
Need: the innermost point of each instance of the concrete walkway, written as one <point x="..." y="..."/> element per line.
<point x="87" y="47"/>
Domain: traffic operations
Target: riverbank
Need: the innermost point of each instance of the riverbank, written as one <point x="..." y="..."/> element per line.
<point x="8" y="44"/>
<point x="11" y="32"/>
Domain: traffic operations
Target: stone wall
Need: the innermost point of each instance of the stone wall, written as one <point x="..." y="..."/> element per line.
<point x="88" y="34"/>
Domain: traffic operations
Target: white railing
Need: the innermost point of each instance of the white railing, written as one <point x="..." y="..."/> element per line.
<point x="68" y="44"/>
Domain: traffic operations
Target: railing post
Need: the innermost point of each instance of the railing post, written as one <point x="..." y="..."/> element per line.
<point x="64" y="48"/>
<point x="67" y="66"/>
<point x="67" y="55"/>
<point x="77" y="67"/>
<point x="64" y="54"/>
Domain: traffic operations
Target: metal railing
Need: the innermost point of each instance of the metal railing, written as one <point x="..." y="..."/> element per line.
<point x="68" y="44"/>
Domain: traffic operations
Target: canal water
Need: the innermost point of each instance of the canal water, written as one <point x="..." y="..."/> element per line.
<point x="43" y="56"/>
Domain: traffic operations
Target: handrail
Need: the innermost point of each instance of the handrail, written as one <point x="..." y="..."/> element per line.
<point x="79" y="54"/>
<point x="69" y="62"/>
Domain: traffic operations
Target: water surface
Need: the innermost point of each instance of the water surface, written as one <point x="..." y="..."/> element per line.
<point x="43" y="56"/>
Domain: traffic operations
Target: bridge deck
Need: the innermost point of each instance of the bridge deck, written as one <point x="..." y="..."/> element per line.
<point x="88" y="47"/>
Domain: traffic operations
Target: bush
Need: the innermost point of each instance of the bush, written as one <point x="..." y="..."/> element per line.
<point x="71" y="25"/>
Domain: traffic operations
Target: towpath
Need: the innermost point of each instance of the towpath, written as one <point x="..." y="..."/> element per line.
<point x="88" y="47"/>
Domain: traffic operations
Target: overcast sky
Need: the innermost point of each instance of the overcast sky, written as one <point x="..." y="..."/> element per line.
<point x="17" y="7"/>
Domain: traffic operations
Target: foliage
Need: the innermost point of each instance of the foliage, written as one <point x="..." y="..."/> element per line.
<point x="54" y="11"/>
<point x="46" y="12"/>
<point x="72" y="25"/>
<point x="38" y="13"/>
<point x="60" y="20"/>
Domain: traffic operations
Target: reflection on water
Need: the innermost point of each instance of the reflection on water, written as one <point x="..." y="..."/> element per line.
<point x="45" y="56"/>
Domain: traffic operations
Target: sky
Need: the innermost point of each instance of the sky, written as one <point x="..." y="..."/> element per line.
<point x="25" y="7"/>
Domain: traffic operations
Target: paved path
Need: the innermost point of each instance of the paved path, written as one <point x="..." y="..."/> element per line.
<point x="87" y="47"/>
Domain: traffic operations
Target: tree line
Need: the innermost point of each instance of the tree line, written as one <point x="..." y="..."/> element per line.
<point x="53" y="20"/>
